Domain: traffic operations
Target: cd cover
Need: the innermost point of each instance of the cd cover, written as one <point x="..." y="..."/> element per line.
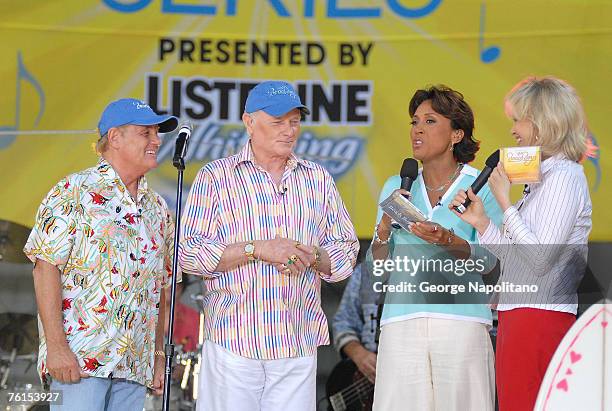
<point x="400" y="209"/>
<point x="522" y="164"/>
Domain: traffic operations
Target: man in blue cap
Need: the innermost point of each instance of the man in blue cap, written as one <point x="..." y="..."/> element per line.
<point x="102" y="247"/>
<point x="264" y="227"/>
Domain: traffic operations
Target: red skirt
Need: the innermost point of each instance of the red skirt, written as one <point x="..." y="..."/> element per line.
<point x="526" y="341"/>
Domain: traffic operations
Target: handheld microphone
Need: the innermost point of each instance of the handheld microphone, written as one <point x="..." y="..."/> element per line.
<point x="481" y="180"/>
<point x="408" y="173"/>
<point x="182" y="141"/>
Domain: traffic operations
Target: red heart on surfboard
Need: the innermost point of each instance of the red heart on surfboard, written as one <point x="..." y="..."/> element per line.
<point x="562" y="385"/>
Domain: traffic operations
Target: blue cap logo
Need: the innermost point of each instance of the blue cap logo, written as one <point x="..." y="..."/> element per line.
<point x="276" y="98"/>
<point x="136" y="112"/>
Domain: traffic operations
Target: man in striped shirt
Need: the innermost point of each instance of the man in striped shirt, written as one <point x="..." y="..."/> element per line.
<point x="264" y="227"/>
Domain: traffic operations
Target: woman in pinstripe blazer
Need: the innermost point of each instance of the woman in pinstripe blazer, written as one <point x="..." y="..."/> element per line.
<point x="543" y="239"/>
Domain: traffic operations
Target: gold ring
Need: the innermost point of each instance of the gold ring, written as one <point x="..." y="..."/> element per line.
<point x="293" y="258"/>
<point x="435" y="228"/>
<point x="297" y="244"/>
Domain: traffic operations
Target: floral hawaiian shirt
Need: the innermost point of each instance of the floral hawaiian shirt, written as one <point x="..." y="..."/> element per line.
<point x="114" y="256"/>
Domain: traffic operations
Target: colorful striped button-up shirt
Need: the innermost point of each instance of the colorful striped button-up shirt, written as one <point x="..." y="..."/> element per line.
<point x="253" y="310"/>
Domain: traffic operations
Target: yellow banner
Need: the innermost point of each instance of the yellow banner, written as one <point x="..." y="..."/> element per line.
<point x="355" y="63"/>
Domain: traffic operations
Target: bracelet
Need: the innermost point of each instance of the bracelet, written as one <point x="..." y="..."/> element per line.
<point x="377" y="238"/>
<point x="451" y="236"/>
<point x="160" y="353"/>
<point x="317" y="255"/>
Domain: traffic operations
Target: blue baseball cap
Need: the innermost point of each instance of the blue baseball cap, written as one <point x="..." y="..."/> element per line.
<point x="136" y="112"/>
<point x="276" y="98"/>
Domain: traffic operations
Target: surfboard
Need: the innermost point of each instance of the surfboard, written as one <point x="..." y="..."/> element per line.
<point x="579" y="376"/>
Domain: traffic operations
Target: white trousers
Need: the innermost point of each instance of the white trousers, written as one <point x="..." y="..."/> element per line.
<point x="428" y="364"/>
<point x="229" y="382"/>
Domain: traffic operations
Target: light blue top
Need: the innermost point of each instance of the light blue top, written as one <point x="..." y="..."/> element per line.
<point x="417" y="303"/>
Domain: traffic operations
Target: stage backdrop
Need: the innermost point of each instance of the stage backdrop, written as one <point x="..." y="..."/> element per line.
<point x="355" y="63"/>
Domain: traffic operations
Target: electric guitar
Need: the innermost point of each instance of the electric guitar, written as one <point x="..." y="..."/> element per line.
<point x="347" y="389"/>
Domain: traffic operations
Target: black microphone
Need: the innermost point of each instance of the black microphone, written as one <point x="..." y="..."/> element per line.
<point x="408" y="173"/>
<point x="182" y="142"/>
<point x="481" y="180"/>
<point x="282" y="190"/>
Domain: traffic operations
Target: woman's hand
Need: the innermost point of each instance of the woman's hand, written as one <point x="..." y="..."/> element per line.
<point x="404" y="193"/>
<point x="500" y="186"/>
<point x="384" y="226"/>
<point x="431" y="232"/>
<point x="436" y="234"/>
<point x="474" y="214"/>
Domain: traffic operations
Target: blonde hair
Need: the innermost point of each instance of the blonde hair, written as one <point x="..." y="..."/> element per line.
<point x="102" y="145"/>
<point x="555" y="111"/>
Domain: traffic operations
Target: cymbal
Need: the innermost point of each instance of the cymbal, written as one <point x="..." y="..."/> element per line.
<point x="18" y="331"/>
<point x="13" y="237"/>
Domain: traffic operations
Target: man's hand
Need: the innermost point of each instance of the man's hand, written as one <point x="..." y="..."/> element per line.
<point x="364" y="359"/>
<point x="281" y="251"/>
<point x="61" y="362"/>
<point x="159" y="367"/>
<point x="63" y="365"/>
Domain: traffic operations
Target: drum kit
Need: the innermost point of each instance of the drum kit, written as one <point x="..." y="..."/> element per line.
<point x="19" y="333"/>
<point x="184" y="388"/>
<point x="18" y="323"/>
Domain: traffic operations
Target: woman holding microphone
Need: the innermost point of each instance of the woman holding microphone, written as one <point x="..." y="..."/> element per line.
<point x="435" y="351"/>
<point x="543" y="240"/>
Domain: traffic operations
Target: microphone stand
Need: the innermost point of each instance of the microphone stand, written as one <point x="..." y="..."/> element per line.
<point x="179" y="163"/>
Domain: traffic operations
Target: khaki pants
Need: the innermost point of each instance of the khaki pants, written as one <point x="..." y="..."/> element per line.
<point x="434" y="364"/>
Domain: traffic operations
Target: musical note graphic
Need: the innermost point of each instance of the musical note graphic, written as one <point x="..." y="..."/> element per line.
<point x="491" y="53"/>
<point x="22" y="75"/>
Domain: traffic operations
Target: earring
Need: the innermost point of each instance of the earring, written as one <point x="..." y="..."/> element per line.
<point x="452" y="147"/>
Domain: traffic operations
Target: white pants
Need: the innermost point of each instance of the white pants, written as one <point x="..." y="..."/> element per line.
<point x="429" y="364"/>
<point x="229" y="382"/>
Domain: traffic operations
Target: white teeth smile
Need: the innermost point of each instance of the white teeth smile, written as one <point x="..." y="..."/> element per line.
<point x="150" y="152"/>
<point x="417" y="142"/>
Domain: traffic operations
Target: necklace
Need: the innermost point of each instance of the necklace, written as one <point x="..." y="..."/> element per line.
<point x="438" y="189"/>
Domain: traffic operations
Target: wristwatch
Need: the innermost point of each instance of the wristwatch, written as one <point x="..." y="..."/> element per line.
<point x="317" y="256"/>
<point x="249" y="250"/>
